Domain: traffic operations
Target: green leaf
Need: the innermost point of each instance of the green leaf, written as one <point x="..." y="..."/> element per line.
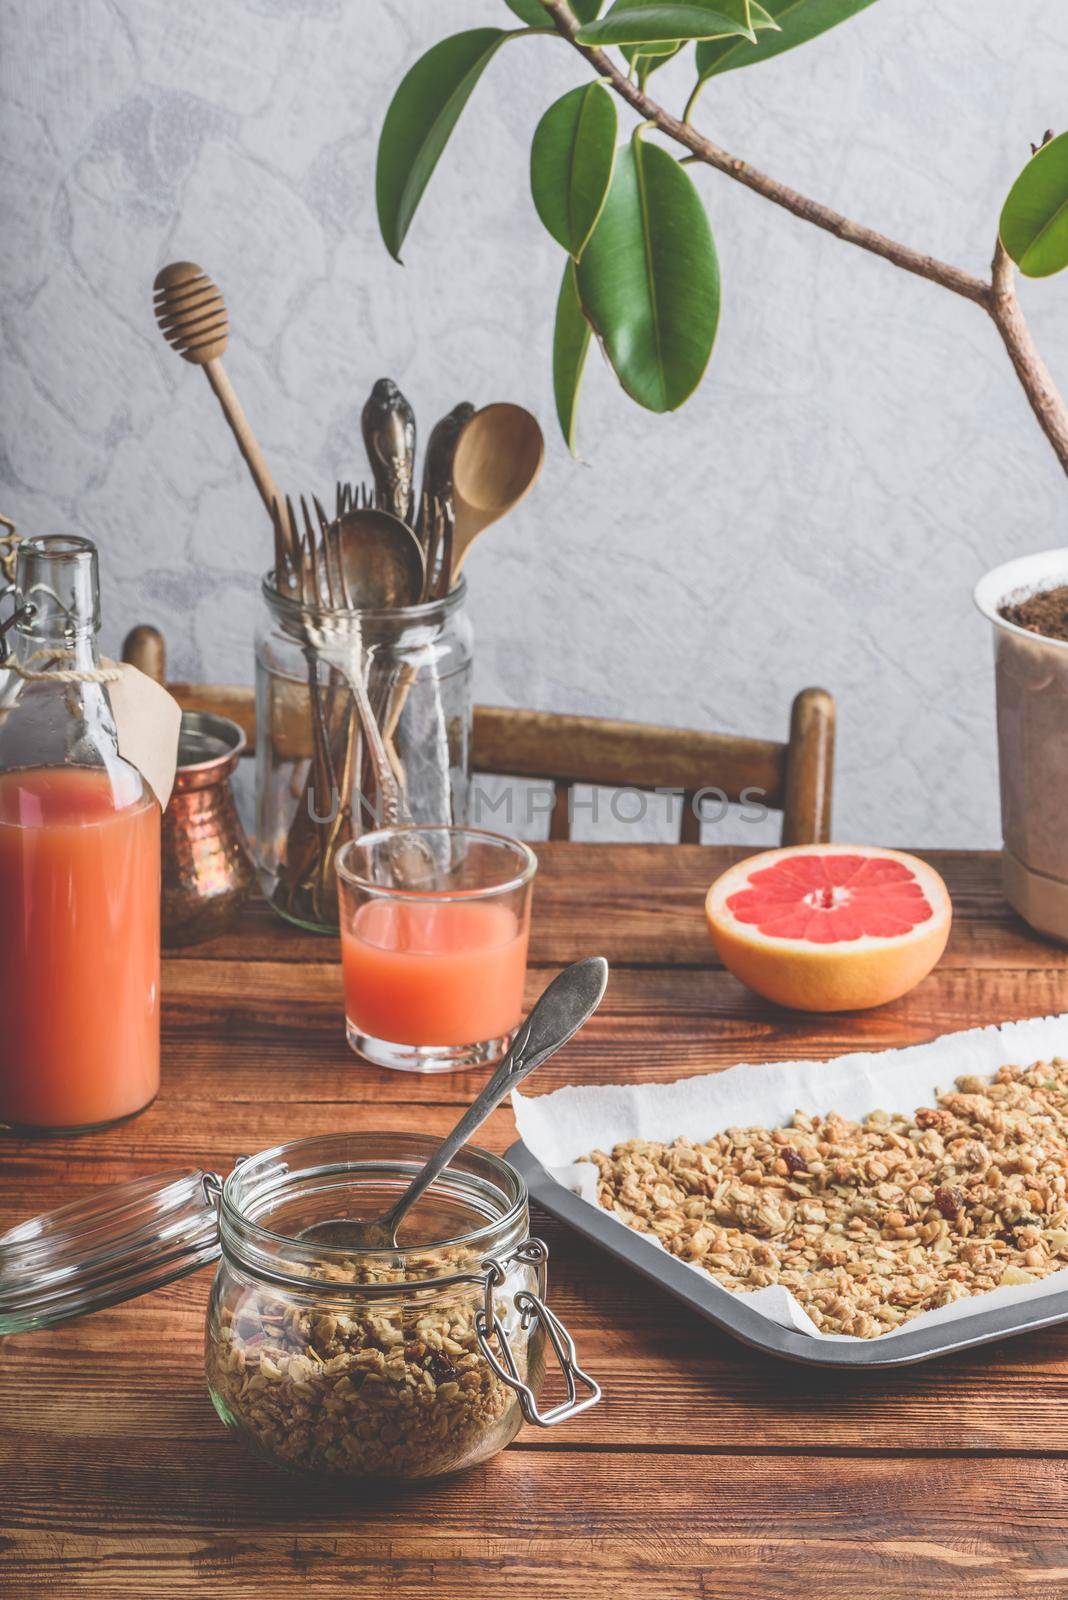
<point x="421" y="115"/>
<point x="797" y="21"/>
<point x="748" y="12"/>
<point x="664" y="50"/>
<point x="761" y="19"/>
<point x="1034" y="219"/>
<point x="571" y="341"/>
<point x="649" y="279"/>
<point x="654" y="21"/>
<point x="571" y="162"/>
<point x="535" y="15"/>
<point x="647" y="58"/>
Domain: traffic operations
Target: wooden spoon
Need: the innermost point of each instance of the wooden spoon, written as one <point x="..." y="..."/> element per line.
<point x="192" y="317"/>
<point x="497" y="460"/>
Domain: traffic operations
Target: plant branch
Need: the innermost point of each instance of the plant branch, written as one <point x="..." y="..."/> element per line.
<point x="997" y="298"/>
<point x="1038" y="385"/>
<point x="780" y="194"/>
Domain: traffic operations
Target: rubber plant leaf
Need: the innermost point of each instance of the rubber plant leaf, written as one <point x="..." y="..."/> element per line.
<point x="659" y="21"/>
<point x="798" y="21"/>
<point x="648" y="280"/>
<point x="421" y="116"/>
<point x="1034" y="219"/>
<point x="759" y="17"/>
<point x="571" y="341"/>
<point x="749" y="12"/>
<point x="649" y="58"/>
<point x="571" y="161"/>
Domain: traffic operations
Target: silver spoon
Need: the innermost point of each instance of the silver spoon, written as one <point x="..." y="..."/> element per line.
<point x="437" y="462"/>
<point x="371" y="560"/>
<point x="568" y="1002"/>
<point x="379" y="559"/>
<point x="388" y="424"/>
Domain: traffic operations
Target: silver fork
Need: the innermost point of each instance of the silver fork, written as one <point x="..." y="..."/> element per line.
<point x="411" y="855"/>
<point x="293" y="579"/>
<point x="353" y="497"/>
<point x="337" y="639"/>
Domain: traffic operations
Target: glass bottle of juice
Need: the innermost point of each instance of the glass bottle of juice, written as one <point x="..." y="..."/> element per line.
<point x="79" y="865"/>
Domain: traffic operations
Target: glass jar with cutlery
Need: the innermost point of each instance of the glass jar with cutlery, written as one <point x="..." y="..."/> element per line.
<point x="364" y="719"/>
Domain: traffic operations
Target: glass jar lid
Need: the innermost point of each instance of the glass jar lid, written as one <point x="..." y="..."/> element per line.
<point x="103" y="1250"/>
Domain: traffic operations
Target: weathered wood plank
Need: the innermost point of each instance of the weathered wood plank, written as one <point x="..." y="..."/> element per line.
<point x="708" y="1472"/>
<point x="645" y="905"/>
<point x="206" y="1135"/>
<point x="276" y="1029"/>
<point x="205" y="998"/>
<point x="246" y="1047"/>
<point x="202" y="1520"/>
<point x="671" y="1381"/>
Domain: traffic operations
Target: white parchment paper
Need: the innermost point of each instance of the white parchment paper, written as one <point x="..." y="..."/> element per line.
<point x="559" y="1128"/>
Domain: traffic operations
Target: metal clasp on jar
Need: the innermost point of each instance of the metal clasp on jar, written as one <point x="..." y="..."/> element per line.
<point x="532" y="1308"/>
<point x="23" y="613"/>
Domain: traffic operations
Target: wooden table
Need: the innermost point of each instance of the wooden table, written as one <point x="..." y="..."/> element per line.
<point x="708" y="1471"/>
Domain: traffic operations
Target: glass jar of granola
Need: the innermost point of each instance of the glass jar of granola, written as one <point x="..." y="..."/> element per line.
<point x="404" y="1364"/>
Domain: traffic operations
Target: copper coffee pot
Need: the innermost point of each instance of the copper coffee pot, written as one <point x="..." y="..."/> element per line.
<point x="207" y="868"/>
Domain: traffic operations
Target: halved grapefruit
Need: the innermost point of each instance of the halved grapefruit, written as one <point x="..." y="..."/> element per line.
<point x="829" y="927"/>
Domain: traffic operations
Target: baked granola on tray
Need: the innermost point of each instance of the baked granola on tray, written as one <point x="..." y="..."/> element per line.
<point x="869" y="1223"/>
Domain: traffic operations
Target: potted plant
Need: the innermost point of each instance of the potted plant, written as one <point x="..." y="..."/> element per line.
<point x="1027" y="603"/>
<point x="640" y="274"/>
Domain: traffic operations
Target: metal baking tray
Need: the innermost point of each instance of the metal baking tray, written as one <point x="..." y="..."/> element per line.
<point x="730" y="1312"/>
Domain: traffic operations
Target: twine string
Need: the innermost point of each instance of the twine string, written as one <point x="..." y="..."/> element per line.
<point x="25" y="669"/>
<point x="9" y="539"/>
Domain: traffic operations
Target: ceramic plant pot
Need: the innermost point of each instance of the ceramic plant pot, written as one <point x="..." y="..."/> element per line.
<point x="1032" y="715"/>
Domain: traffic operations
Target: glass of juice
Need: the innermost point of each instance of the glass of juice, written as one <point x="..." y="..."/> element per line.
<point x="434" y="929"/>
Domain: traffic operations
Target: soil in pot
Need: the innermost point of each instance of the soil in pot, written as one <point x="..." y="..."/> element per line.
<point x="1045" y="613"/>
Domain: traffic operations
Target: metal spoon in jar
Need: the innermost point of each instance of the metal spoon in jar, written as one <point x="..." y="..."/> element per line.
<point x="388" y="424"/>
<point x="568" y="1002"/>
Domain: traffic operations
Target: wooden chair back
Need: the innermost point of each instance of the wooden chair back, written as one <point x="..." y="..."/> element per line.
<point x="794" y="776"/>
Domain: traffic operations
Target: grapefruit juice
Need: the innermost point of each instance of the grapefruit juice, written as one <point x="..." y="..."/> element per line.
<point x="435" y="921"/>
<point x="434" y="973"/>
<point x="79" y="958"/>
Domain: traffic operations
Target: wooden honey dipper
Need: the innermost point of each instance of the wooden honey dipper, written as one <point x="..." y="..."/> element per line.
<point x="192" y="317"/>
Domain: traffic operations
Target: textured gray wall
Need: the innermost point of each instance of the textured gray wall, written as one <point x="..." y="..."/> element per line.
<point x="858" y="454"/>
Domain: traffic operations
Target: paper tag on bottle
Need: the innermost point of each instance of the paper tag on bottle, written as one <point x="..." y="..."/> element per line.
<point x="147" y="721"/>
